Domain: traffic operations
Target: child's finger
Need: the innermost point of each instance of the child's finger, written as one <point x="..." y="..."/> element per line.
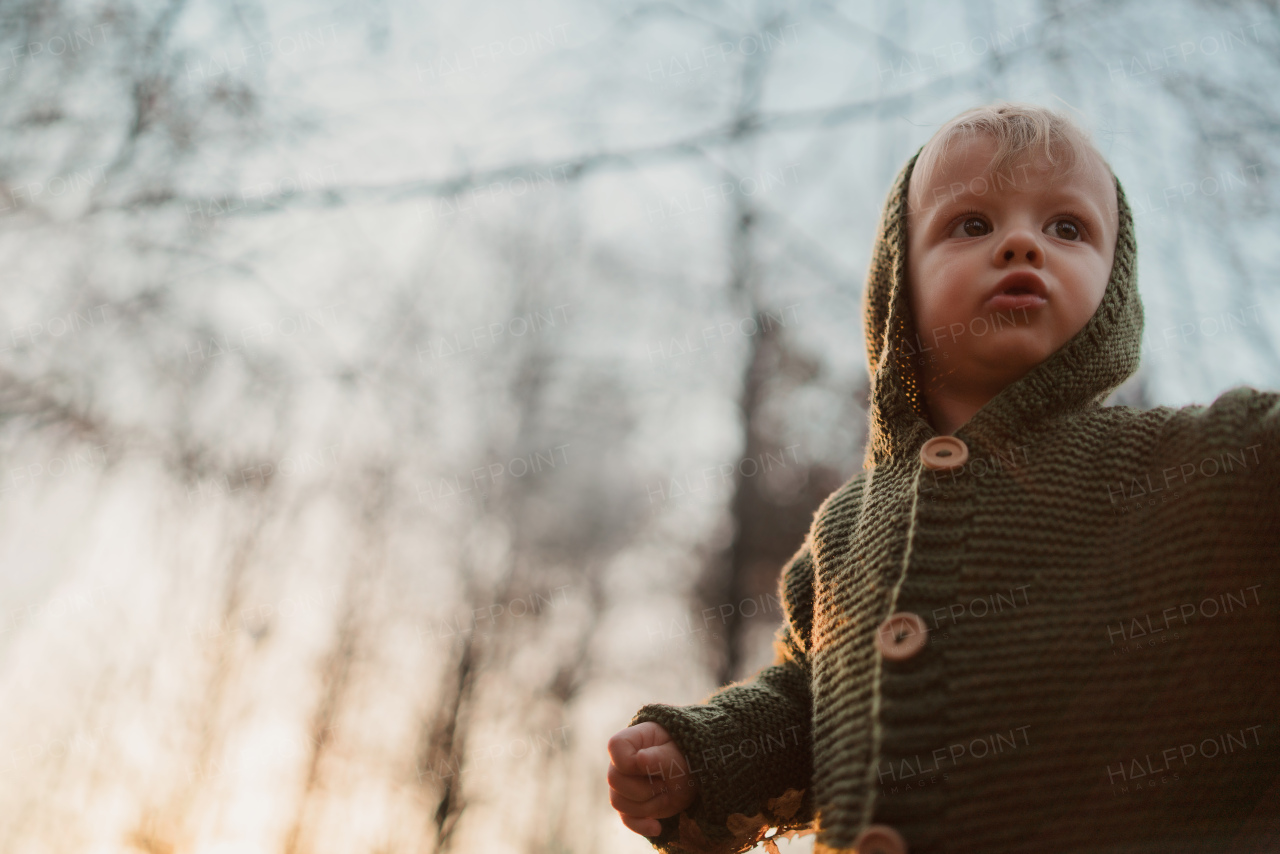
<point x="635" y="787"/>
<point x="642" y="826"/>
<point x="663" y="762"/>
<point x="622" y="750"/>
<point x="648" y="808"/>
<point x="657" y="807"/>
<point x="627" y="746"/>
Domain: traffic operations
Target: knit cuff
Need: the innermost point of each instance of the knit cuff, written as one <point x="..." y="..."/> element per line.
<point x="750" y="754"/>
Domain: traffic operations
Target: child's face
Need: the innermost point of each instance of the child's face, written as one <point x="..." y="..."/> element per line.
<point x="969" y="231"/>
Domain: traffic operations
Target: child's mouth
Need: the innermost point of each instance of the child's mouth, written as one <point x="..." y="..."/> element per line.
<point x="1022" y="289"/>
<point x="1015" y="299"/>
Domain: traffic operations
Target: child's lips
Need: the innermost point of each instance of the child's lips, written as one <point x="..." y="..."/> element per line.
<point x="1019" y="289"/>
<point x="1005" y="302"/>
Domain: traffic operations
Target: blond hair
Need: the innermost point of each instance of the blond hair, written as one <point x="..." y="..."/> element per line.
<point x="1019" y="130"/>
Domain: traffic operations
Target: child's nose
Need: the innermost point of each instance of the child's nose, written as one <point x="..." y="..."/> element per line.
<point x="1020" y="243"/>
<point x="1010" y="254"/>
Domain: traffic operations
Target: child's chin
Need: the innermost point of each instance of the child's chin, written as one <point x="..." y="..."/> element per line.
<point x="1013" y="358"/>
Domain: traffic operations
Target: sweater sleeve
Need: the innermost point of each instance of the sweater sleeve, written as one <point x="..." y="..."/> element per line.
<point x="749" y="745"/>
<point x="1236" y="438"/>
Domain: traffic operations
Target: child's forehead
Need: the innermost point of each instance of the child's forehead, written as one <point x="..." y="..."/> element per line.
<point x="965" y="170"/>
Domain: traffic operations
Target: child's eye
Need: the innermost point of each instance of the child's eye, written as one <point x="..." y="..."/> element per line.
<point x="1063" y="229"/>
<point x="971" y="226"/>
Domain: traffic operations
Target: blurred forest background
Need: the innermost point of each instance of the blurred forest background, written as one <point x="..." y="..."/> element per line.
<point x="396" y="396"/>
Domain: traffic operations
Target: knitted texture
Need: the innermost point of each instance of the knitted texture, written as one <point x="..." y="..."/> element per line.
<point x="1099" y="586"/>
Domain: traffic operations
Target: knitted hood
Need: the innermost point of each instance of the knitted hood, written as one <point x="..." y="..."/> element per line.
<point x="1078" y="375"/>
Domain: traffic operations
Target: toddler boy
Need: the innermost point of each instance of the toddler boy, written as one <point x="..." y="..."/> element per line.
<point x="1033" y="622"/>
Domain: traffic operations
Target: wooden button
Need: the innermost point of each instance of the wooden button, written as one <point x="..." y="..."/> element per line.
<point x="880" y="839"/>
<point x="901" y="636"/>
<point x="943" y="453"/>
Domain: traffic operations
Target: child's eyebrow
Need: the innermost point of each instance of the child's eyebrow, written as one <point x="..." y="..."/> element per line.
<point x="1075" y="196"/>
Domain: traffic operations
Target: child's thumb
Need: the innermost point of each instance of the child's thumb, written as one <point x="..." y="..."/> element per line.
<point x="664" y="760"/>
<point x="625" y="749"/>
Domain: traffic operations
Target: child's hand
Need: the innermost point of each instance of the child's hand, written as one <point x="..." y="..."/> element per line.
<point x="649" y="778"/>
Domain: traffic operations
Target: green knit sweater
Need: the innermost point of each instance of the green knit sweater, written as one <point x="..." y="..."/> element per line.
<point x="1099" y="586"/>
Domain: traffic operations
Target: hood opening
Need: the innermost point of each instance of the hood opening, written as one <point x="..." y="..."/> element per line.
<point x="1080" y="374"/>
